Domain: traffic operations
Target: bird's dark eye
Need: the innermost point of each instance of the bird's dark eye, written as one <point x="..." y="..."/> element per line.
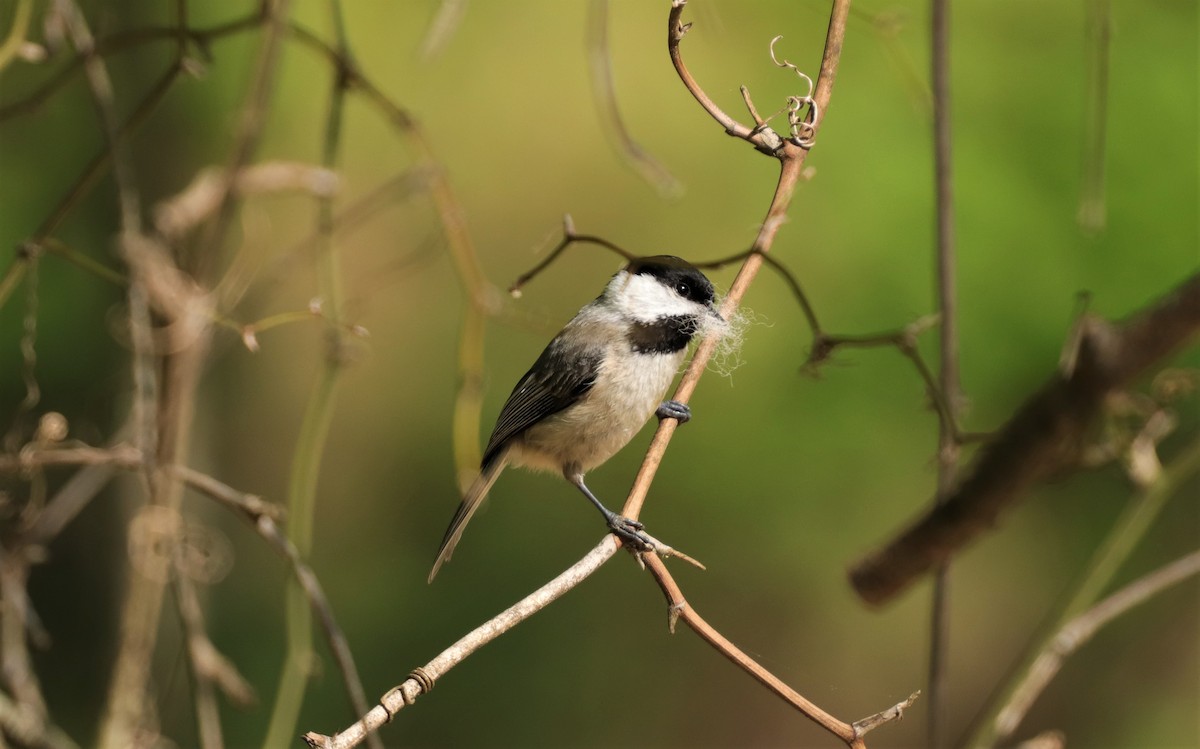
<point x="682" y="289"/>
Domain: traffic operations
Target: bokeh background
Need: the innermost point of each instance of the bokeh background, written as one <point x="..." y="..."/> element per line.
<point x="780" y="482"/>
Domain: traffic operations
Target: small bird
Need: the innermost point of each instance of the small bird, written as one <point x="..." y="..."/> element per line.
<point x="596" y="384"/>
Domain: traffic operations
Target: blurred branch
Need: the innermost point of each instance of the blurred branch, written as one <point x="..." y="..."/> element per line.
<point x="205" y="660"/>
<point x="887" y="26"/>
<point x="247" y="132"/>
<point x="19" y="723"/>
<point x="949" y="386"/>
<point x="126" y="710"/>
<point x="604" y="91"/>
<point x="122" y="42"/>
<point x="1030" y="674"/>
<point x="442" y="27"/>
<point x="1040" y="441"/>
<point x="1093" y="211"/>
<point x="11" y="46"/>
<point x="41" y="240"/>
<point x="314" y="432"/>
<point x="262" y="516"/>
<point x="1076" y="633"/>
<point x="202" y="198"/>
<point x="483" y="298"/>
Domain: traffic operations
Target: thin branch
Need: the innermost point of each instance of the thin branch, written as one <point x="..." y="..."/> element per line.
<point x="123" y="42"/>
<point x="680" y="609"/>
<point x="1040" y="441"/>
<point x="676" y="29"/>
<point x="1092" y="214"/>
<point x="91" y="173"/>
<point x="569" y="237"/>
<point x="423" y="678"/>
<point x="948" y="386"/>
<point x="895" y="712"/>
<point x="1122" y="538"/>
<point x="200" y="648"/>
<point x="1077" y="632"/>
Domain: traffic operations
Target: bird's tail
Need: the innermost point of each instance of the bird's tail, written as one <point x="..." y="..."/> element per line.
<point x="471" y="502"/>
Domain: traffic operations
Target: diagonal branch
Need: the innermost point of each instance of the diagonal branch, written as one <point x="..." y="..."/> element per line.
<point x="1041" y="440"/>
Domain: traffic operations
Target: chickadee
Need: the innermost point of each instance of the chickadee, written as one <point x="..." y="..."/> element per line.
<point x="596" y="384"/>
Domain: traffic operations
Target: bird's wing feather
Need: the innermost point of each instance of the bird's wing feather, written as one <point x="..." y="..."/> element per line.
<point x="559" y="378"/>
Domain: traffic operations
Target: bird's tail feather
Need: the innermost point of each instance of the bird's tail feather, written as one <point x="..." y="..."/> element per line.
<point x="471" y="502"/>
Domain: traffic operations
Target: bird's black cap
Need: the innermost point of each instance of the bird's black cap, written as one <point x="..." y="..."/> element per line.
<point x="676" y="273"/>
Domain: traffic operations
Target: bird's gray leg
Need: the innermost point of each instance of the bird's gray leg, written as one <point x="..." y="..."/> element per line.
<point x="628" y="530"/>
<point x="674" y="410"/>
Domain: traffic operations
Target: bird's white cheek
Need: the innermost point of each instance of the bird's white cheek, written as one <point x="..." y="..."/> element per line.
<point x="643" y="297"/>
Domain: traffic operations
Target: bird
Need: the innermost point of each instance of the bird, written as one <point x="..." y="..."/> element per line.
<point x="596" y="384"/>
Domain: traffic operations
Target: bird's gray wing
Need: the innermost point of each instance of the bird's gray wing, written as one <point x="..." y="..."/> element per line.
<point x="560" y="377"/>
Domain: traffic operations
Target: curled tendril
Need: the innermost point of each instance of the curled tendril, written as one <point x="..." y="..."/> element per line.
<point x="803" y="125"/>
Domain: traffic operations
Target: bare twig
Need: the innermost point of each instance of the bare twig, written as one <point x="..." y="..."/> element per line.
<point x="895" y="712"/>
<point x="569" y="237"/>
<point x="680" y="609"/>
<point x="422" y="680"/>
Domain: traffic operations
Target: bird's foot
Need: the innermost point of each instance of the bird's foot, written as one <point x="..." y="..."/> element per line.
<point x="638" y="542"/>
<point x="674" y="410"/>
<point x="631" y="532"/>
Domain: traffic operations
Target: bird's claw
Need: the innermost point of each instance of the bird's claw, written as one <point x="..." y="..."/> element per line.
<point x="631" y="532"/>
<point x="674" y="410"/>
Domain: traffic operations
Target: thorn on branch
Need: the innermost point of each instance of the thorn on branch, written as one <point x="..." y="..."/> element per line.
<point x="674" y="611"/>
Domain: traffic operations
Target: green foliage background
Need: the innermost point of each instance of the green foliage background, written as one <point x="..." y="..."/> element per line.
<point x="781" y="480"/>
